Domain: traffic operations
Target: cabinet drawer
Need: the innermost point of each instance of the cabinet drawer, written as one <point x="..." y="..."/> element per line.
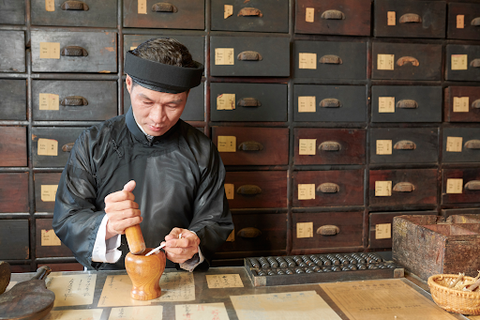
<point x="403" y="188"/>
<point x="463" y="62"/>
<point x="12" y="12"/>
<point x="330" y="103"/>
<point x="74" y="100"/>
<point x="87" y="13"/>
<point x="410" y="19"/>
<point x="57" y="267"/>
<point x="175" y="14"/>
<point x="13" y="105"/>
<point x="252" y="146"/>
<point x="406" y="104"/>
<point x="328" y="188"/>
<point x="12" y="51"/>
<point x="79" y="51"/>
<point x="13" y="147"/>
<point x="14" y="237"/>
<point x="327" y="230"/>
<point x="253" y="15"/>
<point x="406" y="61"/>
<point x="248" y="102"/>
<point x="329" y="146"/>
<point x="256" y="56"/>
<point x="330" y="60"/>
<point x="14" y="192"/>
<point x="403" y="145"/>
<point x="460" y="185"/>
<point x="463" y="21"/>
<point x="462" y="104"/>
<point x="343" y="17"/>
<point x="47" y="243"/>
<point x="51" y="146"/>
<point x="259" y="189"/>
<point x="461" y="145"/>
<point x="45" y="190"/>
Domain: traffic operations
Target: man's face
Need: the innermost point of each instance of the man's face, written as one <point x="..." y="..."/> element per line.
<point x="156" y="112"/>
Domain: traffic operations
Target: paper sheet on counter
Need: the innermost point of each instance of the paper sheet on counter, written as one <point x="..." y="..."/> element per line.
<point x="137" y="313"/>
<point x="72" y="290"/>
<point x="92" y="314"/>
<point x="205" y="311"/>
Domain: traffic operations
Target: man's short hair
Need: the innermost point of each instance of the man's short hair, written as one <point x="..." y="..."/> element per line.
<point x="165" y="50"/>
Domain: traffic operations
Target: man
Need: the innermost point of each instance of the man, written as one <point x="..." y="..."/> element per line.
<point x="146" y="167"/>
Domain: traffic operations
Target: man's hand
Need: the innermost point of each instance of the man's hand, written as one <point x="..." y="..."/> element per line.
<point x="180" y="249"/>
<point x="121" y="210"/>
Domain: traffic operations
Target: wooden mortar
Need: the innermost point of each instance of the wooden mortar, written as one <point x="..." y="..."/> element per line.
<point x="145" y="273"/>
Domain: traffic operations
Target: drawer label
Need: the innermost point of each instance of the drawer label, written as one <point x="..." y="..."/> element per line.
<point x="50" y="5"/>
<point x="307" y="61"/>
<point x="386" y="104"/>
<point x="459" y="62"/>
<point x="454" y="186"/>
<point x="227" y="11"/>
<point x="305" y="230"/>
<point x="383" y="188"/>
<point x="384" y="147"/>
<point x="454" y="144"/>
<point x="142" y="6"/>
<point x="385" y="62"/>
<point x="307" y="104"/>
<point x="306" y="192"/>
<point x="383" y="231"/>
<point x="460" y="21"/>
<point x="49" y="50"/>
<point x="48" y="192"/>
<point x="229" y="191"/>
<point x="224" y="57"/>
<point x="231" y="236"/>
<point x="48" y="101"/>
<point x="47" y="147"/>
<point x="391" y="18"/>
<point x="216" y="281"/>
<point x="226" y="101"/>
<point x="461" y="104"/>
<point x="227" y="144"/>
<point x="310" y="14"/>
<point x="50" y="239"/>
<point x="307" y="147"/>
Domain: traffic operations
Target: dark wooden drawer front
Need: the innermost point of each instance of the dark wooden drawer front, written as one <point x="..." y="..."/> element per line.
<point x="12" y="12"/>
<point x="328" y="188"/>
<point x="13" y="104"/>
<point x="88" y="13"/>
<point x="406" y="61"/>
<point x="45" y="189"/>
<point x="74" y="100"/>
<point x="259" y="189"/>
<point x="51" y="146"/>
<point x="406" y="104"/>
<point x="327" y="230"/>
<point x="463" y="62"/>
<point x="13" y="147"/>
<point x="256" y="56"/>
<point x="403" y="188"/>
<point x="329" y="146"/>
<point x="410" y="19"/>
<point x="47" y="242"/>
<point x="175" y="14"/>
<point x="252" y="146"/>
<point x="463" y="21"/>
<point x="248" y="102"/>
<point x="79" y="51"/>
<point x="57" y="267"/>
<point x="14" y="237"/>
<point x="330" y="103"/>
<point x="403" y="145"/>
<point x="253" y="15"/>
<point x="12" y="51"/>
<point x="330" y="60"/>
<point x="13" y="192"/>
<point x="462" y="104"/>
<point x="460" y="185"/>
<point x="461" y="145"/>
<point x="343" y="17"/>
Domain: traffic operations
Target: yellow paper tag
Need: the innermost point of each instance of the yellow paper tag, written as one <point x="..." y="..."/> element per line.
<point x="142" y="6"/>
<point x="306" y="192"/>
<point x="47" y="147"/>
<point x="227" y="11"/>
<point x="385" y="62"/>
<point x="307" y="104"/>
<point x="227" y="144"/>
<point x="133" y="48"/>
<point x="50" y="239"/>
<point x="391" y="18"/>
<point x="48" y="101"/>
<point x="307" y="147"/>
<point x="307" y="61"/>
<point x="229" y="191"/>
<point x="49" y="50"/>
<point x="226" y="101"/>
<point x="383" y="231"/>
<point x="50" y="5"/>
<point x="48" y="192"/>
<point x="383" y="188"/>
<point x="224" y="57"/>
<point x="461" y="104"/>
<point x="305" y="230"/>
<point x="310" y="14"/>
<point x="454" y="144"/>
<point x="460" y="21"/>
<point x="216" y="281"/>
<point x="386" y="104"/>
<point x="231" y="236"/>
<point x="459" y="62"/>
<point x="384" y="147"/>
<point x="455" y="186"/>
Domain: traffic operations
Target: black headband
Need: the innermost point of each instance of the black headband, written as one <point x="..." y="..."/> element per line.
<point x="162" y="77"/>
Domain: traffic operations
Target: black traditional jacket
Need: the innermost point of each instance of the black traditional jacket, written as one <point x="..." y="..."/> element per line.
<point x="179" y="183"/>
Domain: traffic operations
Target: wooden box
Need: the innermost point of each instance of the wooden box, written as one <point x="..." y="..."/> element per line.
<point x="13" y="105"/>
<point x="45" y="190"/>
<point x="463" y="21"/>
<point x="12" y="51"/>
<point x="14" y="192"/>
<point x="462" y="104"/>
<point x="47" y="243"/>
<point x="13" y="148"/>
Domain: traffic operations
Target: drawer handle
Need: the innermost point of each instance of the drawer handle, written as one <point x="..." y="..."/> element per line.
<point x="328" y="187"/>
<point x="249" y="189"/>
<point x="330" y="146"/>
<point x="74" y="5"/>
<point x="250" y="12"/>
<point x="405" y="145"/>
<point x="407" y="104"/>
<point x="475" y="63"/>
<point x="74" y="51"/>
<point x="249" y="102"/>
<point x="410" y="18"/>
<point x="249" y="56"/>
<point x="473" y="185"/>
<point x="328" y="230"/>
<point x="475" y="22"/>
<point x="472" y="144"/>
<point x="164" y="7"/>
<point x="330" y="59"/>
<point x="74" y="101"/>
<point x="330" y="103"/>
<point x="408" y="60"/>
<point x="68" y="147"/>
<point x="249" y="233"/>
<point x="404" y="187"/>
<point x="332" y="15"/>
<point x="250" y="146"/>
<point x="476" y="104"/>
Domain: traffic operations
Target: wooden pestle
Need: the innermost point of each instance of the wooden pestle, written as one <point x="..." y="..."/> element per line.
<point x="135" y="239"/>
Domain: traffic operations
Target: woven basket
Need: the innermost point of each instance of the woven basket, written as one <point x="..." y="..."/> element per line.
<point x="452" y="300"/>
